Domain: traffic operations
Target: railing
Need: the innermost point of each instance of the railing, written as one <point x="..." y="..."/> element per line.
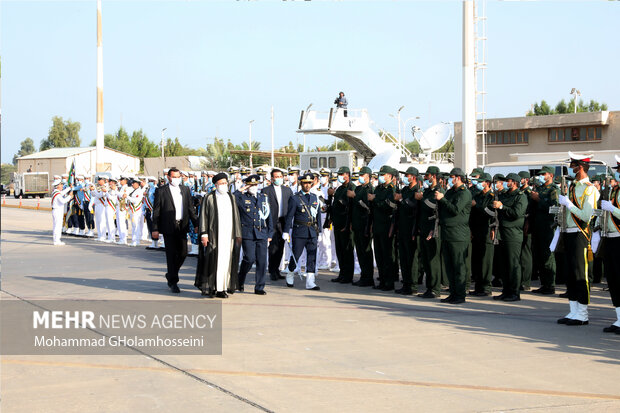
<point x="399" y="146"/>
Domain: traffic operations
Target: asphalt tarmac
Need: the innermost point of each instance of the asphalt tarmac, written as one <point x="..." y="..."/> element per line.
<point x="341" y="349"/>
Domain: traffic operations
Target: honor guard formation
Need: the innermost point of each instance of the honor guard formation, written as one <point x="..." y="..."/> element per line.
<point x="468" y="233"/>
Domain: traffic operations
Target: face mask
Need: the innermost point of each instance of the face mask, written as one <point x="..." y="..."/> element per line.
<point x="292" y="179"/>
<point x="222" y="189"/>
<point x="426" y="184"/>
<point x="617" y="176"/>
<point x="381" y="179"/>
<point x="540" y="179"/>
<point x="341" y="179"/>
<point x="278" y="181"/>
<point x="361" y="180"/>
<point x="405" y="180"/>
<point x="474" y="182"/>
<point x="497" y="187"/>
<point x="323" y="180"/>
<point x="175" y="181"/>
<point x="151" y="185"/>
<point x="479" y="186"/>
<point x="572" y="173"/>
<point x="253" y="190"/>
<point x="450" y="183"/>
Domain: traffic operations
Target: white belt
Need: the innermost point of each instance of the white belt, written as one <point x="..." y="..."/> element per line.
<point x="613" y="235"/>
<point x="572" y="230"/>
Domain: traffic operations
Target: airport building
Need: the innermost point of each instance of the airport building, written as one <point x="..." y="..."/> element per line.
<point x="538" y="137"/>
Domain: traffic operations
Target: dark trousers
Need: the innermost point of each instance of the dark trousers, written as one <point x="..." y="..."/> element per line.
<point x="454" y="261"/>
<point x="597" y="270"/>
<point x="510" y="254"/>
<point x="76" y="220"/>
<point x="88" y="217"/>
<point x="276" y="247"/>
<point x="482" y="264"/>
<point x="408" y="263"/>
<point x="176" y="251"/>
<point x="149" y="221"/>
<point x="310" y="244"/>
<point x="430" y="251"/>
<point x="526" y="261"/>
<point x="363" y="246"/>
<point x="254" y="251"/>
<point x="544" y="260"/>
<point x="344" y="254"/>
<point x="611" y="263"/>
<point x="384" y="255"/>
<point x="576" y="267"/>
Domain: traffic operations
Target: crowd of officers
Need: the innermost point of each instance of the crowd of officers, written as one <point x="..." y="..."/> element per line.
<point x="467" y="232"/>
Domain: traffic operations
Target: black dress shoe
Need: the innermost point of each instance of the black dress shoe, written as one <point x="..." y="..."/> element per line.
<point x="499" y="297"/>
<point x="563" y="295"/>
<point x="240" y="289"/>
<point x="378" y="287"/>
<point x="511" y="298"/>
<point x="544" y="290"/>
<point x="496" y="282"/>
<point x="174" y="288"/>
<point x="572" y="322"/>
<point x="387" y="288"/>
<point x="479" y="294"/>
<point x="260" y="292"/>
<point x="448" y="299"/>
<point x="206" y="293"/>
<point x="457" y="301"/>
<point x="611" y="329"/>
<point x="315" y="288"/>
<point x="336" y="280"/>
<point x="427" y="294"/>
<point x="404" y="291"/>
<point x="289" y="285"/>
<point x="345" y="281"/>
<point x="361" y="283"/>
<point x="221" y="294"/>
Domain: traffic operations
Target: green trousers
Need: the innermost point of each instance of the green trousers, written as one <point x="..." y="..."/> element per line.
<point x="455" y="264"/>
<point x="430" y="251"/>
<point x="363" y="246"/>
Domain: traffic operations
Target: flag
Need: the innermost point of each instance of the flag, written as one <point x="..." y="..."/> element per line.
<point x="71" y="180"/>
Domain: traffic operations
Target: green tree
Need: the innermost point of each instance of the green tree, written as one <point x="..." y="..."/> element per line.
<point x="563" y="107"/>
<point x="62" y="134"/>
<point x="26" y="148"/>
<point x="6" y="170"/>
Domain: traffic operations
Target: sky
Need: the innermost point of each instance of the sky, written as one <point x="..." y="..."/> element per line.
<point x="206" y="68"/>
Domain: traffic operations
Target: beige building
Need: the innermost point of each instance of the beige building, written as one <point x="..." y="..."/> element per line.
<point x="57" y="161"/>
<point x="515" y="139"/>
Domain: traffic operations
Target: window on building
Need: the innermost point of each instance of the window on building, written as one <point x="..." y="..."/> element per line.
<point x="332" y="162"/>
<point x="514" y="137"/>
<point x="579" y="134"/>
<point x="313" y="162"/>
<point x="322" y="162"/>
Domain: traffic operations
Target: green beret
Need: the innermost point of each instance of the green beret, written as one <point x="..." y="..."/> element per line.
<point x="365" y="170"/>
<point x="499" y="177"/>
<point x="433" y="170"/>
<point x="476" y="172"/>
<point x="344" y="170"/>
<point x="485" y="177"/>
<point x="412" y="170"/>
<point x="524" y="174"/>
<point x="386" y="169"/>
<point x="515" y="177"/>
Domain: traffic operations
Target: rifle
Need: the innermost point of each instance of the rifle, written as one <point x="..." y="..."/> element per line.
<point x="436" y="217"/>
<point x="604" y="216"/>
<point x="393" y="226"/>
<point x="495" y="225"/>
<point x="560" y="215"/>
<point x="328" y="211"/>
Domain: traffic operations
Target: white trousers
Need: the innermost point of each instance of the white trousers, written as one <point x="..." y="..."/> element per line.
<point x="110" y="227"/>
<point x="57" y="214"/>
<point x="324" y="257"/>
<point x="121" y="223"/>
<point x="137" y="223"/>
<point x="100" y="219"/>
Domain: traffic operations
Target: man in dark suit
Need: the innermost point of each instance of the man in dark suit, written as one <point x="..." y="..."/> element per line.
<point x="172" y="210"/>
<point x="278" y="196"/>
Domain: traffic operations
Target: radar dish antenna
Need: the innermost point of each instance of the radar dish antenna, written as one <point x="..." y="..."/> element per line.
<point x="433" y="138"/>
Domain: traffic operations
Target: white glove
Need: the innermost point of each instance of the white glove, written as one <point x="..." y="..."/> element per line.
<point x="286" y="237"/>
<point x="607" y="206"/>
<point x="320" y="238"/>
<point x="596" y="241"/>
<point x="565" y="201"/>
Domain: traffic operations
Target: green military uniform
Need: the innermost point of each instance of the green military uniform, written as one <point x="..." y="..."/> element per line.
<point x="362" y="225"/>
<point x="511" y="219"/>
<point x="407" y="222"/>
<point x="454" y="210"/>
<point x="383" y="210"/>
<point x="482" y="215"/>
<point x="526" y="247"/>
<point x="542" y="234"/>
<point x="341" y="212"/>
<point x="430" y="249"/>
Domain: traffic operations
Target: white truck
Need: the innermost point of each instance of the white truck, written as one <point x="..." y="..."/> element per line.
<point x="31" y="184"/>
<point x="332" y="160"/>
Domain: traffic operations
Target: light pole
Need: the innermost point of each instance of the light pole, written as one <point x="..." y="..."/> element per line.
<point x="272" y="157"/>
<point x="575" y="92"/>
<point x="252" y="121"/>
<point x="307" y="110"/>
<point x="405" y="127"/>
<point x="162" y="142"/>
<point x="400" y="141"/>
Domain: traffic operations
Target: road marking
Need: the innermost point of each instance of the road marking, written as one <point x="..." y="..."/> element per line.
<point x="410" y="383"/>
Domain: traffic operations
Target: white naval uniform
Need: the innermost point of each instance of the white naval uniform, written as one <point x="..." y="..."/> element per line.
<point x="98" y="202"/>
<point x="121" y="217"/>
<point x="324" y="257"/>
<point x="111" y="206"/>
<point x="59" y="200"/>
<point x="136" y="213"/>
